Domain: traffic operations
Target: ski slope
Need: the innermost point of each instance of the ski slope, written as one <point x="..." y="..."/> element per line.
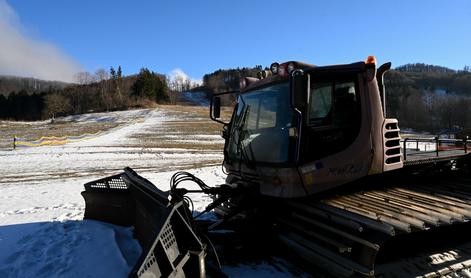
<point x="42" y="233"/>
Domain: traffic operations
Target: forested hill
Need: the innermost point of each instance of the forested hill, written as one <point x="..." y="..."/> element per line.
<point x="228" y="79"/>
<point x="429" y="98"/>
<point x="421" y="68"/>
<point x="9" y="84"/>
<point x="437" y="78"/>
<point x="104" y="92"/>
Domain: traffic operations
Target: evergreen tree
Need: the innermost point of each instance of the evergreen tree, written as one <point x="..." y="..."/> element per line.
<point x="3" y="107"/>
<point x="112" y="73"/>
<point x="150" y="86"/>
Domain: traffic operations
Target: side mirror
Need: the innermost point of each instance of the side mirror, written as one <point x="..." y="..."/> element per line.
<point x="216" y="108"/>
<point x="299" y="89"/>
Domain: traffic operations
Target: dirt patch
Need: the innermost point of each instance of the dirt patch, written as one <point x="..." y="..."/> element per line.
<point x="195" y="130"/>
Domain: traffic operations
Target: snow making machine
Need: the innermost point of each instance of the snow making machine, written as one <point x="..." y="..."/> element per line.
<point x="315" y="172"/>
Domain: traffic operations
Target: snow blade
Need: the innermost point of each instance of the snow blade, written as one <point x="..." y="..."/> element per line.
<point x="163" y="226"/>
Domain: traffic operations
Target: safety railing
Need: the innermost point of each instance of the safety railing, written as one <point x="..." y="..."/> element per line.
<point x="434" y="146"/>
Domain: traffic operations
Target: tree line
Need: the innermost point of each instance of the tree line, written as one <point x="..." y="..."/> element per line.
<point x="9" y="84"/>
<point x="103" y="91"/>
<point x="225" y="81"/>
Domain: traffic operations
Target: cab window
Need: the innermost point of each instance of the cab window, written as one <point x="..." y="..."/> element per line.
<point x="333" y="115"/>
<point x="333" y="103"/>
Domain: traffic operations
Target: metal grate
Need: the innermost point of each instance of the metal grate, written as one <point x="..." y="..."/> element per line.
<point x="168" y="238"/>
<point x="150" y="264"/>
<point x="169" y="242"/>
<point x="110" y="183"/>
<point x="392" y="143"/>
<point x="99" y="185"/>
<point x="117" y="184"/>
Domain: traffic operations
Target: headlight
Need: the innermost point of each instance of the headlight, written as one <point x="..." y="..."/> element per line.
<point x="275" y="67"/>
<point x="290" y="67"/>
<point x="242" y="83"/>
<point x="266" y="73"/>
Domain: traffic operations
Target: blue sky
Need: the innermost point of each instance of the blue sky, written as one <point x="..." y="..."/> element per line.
<point x="202" y="36"/>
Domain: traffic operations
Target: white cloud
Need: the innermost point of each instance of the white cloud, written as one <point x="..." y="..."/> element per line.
<point x="177" y="77"/>
<point x="24" y="56"/>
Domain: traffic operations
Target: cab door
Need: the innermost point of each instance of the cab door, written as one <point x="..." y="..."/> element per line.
<point x="333" y="116"/>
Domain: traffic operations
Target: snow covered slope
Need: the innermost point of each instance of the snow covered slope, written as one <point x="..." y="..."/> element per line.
<point x="42" y="233"/>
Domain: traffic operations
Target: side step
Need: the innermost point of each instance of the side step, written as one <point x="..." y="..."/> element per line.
<point x="162" y="225"/>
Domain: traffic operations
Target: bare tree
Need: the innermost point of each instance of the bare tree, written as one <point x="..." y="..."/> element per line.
<point x="117" y="84"/>
<point x="101" y="76"/>
<point x="84" y="78"/>
<point x="55" y="104"/>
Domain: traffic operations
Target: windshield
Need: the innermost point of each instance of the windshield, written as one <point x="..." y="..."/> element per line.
<point x="260" y="129"/>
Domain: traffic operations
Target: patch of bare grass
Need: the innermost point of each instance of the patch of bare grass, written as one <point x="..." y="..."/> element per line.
<point x="33" y="131"/>
<point x="169" y="134"/>
<point x="187" y="133"/>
